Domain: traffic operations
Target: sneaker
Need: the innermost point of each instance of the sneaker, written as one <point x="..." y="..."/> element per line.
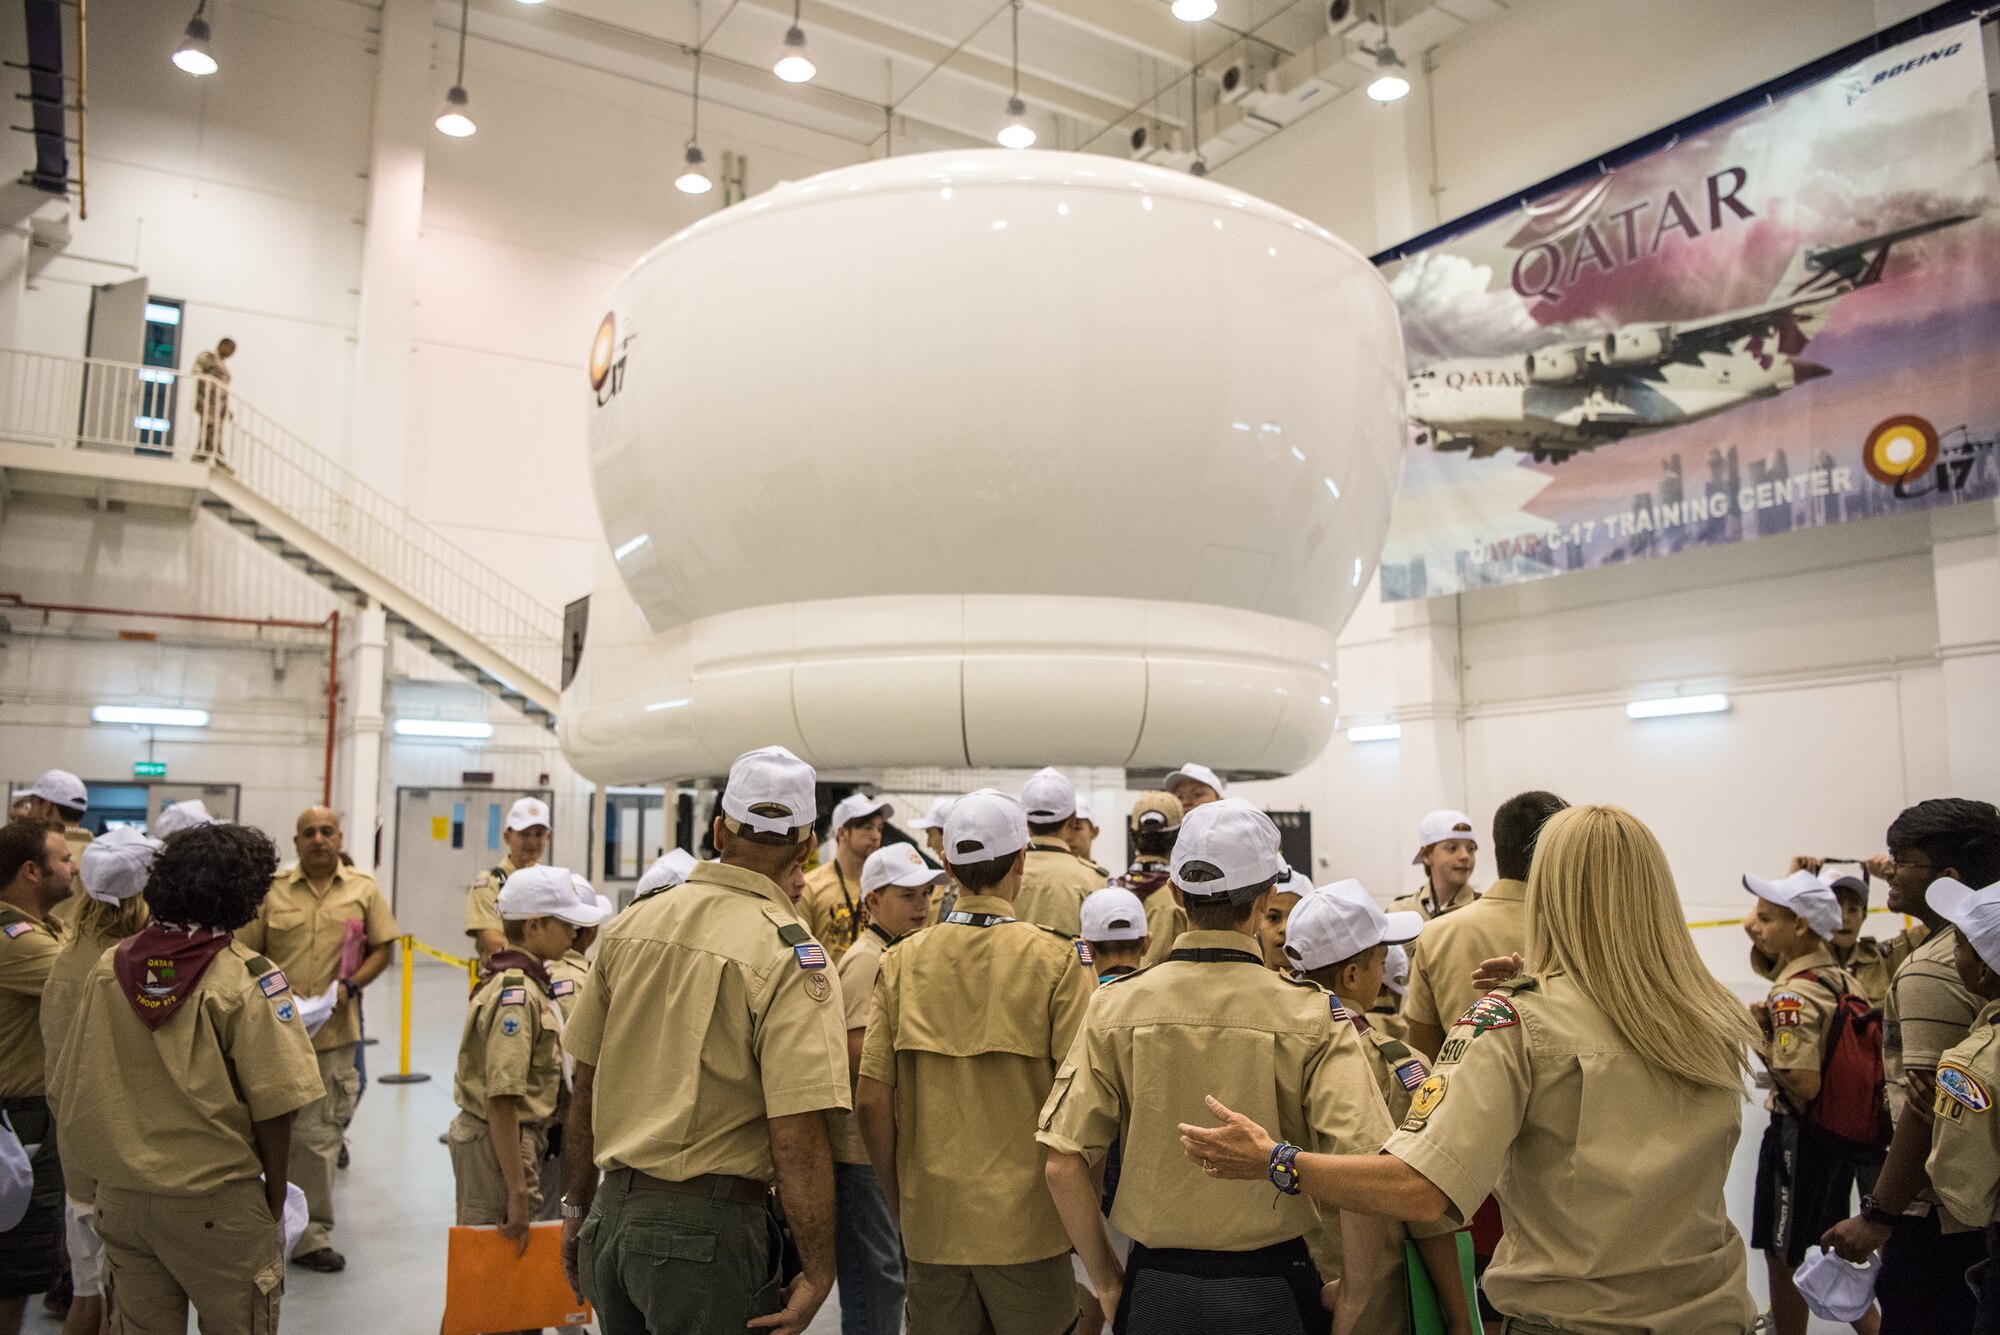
<point x="342" y="1162"/>
<point x="326" y="1260"/>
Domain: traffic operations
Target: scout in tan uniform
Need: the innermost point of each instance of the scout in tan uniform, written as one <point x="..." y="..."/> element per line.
<point x="1494" y="924"/>
<point x="1603" y="1095"/>
<point x="35" y="876"/>
<point x="931" y="826"/>
<point x="318" y="920"/>
<point x="1964" y="1164"/>
<point x="114" y="874"/>
<point x="1339" y="939"/>
<point x="1802" y="1188"/>
<point x="527" y="838"/>
<point x="1056" y="881"/>
<point x="1083" y="838"/>
<point x="1271" y="920"/>
<point x="971" y="1017"/>
<point x="509" y="1062"/>
<point x="176" y="1088"/>
<point x="567" y="976"/>
<point x="831" y="905"/>
<point x="1155" y="824"/>
<point x="61" y="797"/>
<point x="1209" y="1018"/>
<point x="1926" y="1250"/>
<point x="1448" y="852"/>
<point x="1114" y="927"/>
<point x="896" y="884"/>
<point x="1193" y="786"/>
<point x="1873" y="960"/>
<point x="690" y="1135"/>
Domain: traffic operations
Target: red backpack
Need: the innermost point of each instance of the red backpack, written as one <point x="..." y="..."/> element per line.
<point x="1851" y="1115"/>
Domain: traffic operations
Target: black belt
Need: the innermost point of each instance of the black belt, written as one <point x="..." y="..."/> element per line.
<point x="1216" y="955"/>
<point x="713" y="1186"/>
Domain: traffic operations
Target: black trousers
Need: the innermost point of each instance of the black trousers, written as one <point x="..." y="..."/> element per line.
<point x="1922" y="1289"/>
<point x="1271" y="1291"/>
<point x="1985" y="1277"/>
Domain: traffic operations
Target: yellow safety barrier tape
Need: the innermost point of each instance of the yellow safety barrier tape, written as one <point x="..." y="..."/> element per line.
<point x="437" y="954"/>
<point x="1738" y="922"/>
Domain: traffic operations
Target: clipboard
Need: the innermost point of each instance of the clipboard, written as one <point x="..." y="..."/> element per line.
<point x="1426" y="1315"/>
<point x="488" y="1287"/>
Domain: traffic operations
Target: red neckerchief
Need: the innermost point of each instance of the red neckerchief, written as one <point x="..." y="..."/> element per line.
<point x="158" y="967"/>
<point x="1145" y="879"/>
<point x="502" y="960"/>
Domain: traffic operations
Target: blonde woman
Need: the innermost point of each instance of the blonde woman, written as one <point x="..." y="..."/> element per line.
<point x="1598" y="1095"/>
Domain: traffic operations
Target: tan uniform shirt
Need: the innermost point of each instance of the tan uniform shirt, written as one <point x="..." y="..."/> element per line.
<point x="709" y="1011"/>
<point x="28" y="950"/>
<point x="1054" y="886"/>
<point x="301" y="926"/>
<point x="482" y="901"/>
<point x="1155" y="1043"/>
<point x="969" y="1024"/>
<point x="1801" y="1012"/>
<point x="508" y="1047"/>
<point x="1423" y="900"/>
<point x="1874" y="961"/>
<point x="1165" y="918"/>
<point x="831" y="907"/>
<point x="1930" y="1012"/>
<point x="62" y="995"/>
<point x="1965" y="1148"/>
<point x="169" y="1110"/>
<point x="859" y="968"/>
<point x="568" y="975"/>
<point x="1609" y="1171"/>
<point x="1443" y="959"/>
<point x="66" y="911"/>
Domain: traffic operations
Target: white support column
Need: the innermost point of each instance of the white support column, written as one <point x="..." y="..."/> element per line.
<point x="1965" y="565"/>
<point x="1431" y="763"/>
<point x="359" y="800"/>
<point x="600" y="810"/>
<point x="403" y="93"/>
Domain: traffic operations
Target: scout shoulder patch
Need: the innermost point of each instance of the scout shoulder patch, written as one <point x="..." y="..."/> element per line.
<point x="817" y="987"/>
<point x="513" y="996"/>
<point x="1453" y="1050"/>
<point x="790" y="933"/>
<point x="1492" y="1011"/>
<point x="285" y="1012"/>
<point x="564" y="987"/>
<point x="14" y="929"/>
<point x="510" y="1025"/>
<point x="811" y="955"/>
<point x="258" y="965"/>
<point x="1787" y="1010"/>
<point x="273" y="983"/>
<point x="1338" y="1011"/>
<point x="1083" y="953"/>
<point x="1520" y="982"/>
<point x="1429" y="1094"/>
<point x="1787" y="1041"/>
<point x="1964" y="1088"/>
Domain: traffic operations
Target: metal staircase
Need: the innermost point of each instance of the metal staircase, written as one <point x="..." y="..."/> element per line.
<point x="105" y="431"/>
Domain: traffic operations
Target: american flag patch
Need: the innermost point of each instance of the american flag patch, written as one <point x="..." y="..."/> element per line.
<point x="1339" y="1011"/>
<point x="1083" y="952"/>
<point x="14" y="929"/>
<point x="1411" y="1074"/>
<point x="513" y="996"/>
<point x="564" y="987"/>
<point x="811" y="955"/>
<point x="273" y="983"/>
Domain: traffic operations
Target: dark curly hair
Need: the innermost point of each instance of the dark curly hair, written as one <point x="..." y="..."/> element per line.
<point x="1953" y="832"/>
<point x="212" y="876"/>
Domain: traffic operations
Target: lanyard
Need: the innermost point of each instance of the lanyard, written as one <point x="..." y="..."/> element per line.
<point x="853" y="914"/>
<point x="976" y="919"/>
<point x="1216" y="955"/>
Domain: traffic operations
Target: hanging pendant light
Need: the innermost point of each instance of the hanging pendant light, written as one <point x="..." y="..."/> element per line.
<point x="694" y="180"/>
<point x="1194" y="11"/>
<point x="1390" y="84"/>
<point x="456" y="118"/>
<point x="795" y="66"/>
<point x="1017" y="133"/>
<point x="192" y="56"/>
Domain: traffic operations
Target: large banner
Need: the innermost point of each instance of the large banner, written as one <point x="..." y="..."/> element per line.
<point x="1788" y="320"/>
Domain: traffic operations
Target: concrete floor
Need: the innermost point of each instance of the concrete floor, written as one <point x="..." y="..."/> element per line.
<point x="394" y="1204"/>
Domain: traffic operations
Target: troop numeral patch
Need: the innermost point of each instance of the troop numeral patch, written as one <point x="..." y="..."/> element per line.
<point x="1788" y="1010"/>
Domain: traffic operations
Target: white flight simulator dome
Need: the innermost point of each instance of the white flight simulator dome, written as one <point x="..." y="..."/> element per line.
<point x="984" y="459"/>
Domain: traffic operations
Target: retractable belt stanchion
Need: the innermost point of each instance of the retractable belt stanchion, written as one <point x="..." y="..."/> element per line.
<point x="411" y="946"/>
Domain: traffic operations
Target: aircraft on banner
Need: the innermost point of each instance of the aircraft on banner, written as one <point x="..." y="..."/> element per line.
<point x="1568" y="397"/>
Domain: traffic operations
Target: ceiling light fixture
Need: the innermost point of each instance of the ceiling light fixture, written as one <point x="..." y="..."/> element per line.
<point x="1375" y="732"/>
<point x="1200" y="164"/>
<point x="456" y="118"/>
<point x="1194" y="11"/>
<point x="446" y="728"/>
<point x="147" y="716"/>
<point x="694" y="181"/>
<point x="1389" y="85"/>
<point x="1674" y="706"/>
<point x="795" y="66"/>
<point x="192" y="56"/>
<point x="1017" y="133"/>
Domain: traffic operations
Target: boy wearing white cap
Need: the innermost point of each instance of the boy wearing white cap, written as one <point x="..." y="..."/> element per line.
<point x="526" y="835"/>
<point x="971" y="1018"/>
<point x="1194" y="785"/>
<point x="1083" y="837"/>
<point x="59" y="796"/>
<point x="1339" y="939"/>
<point x="896" y="885"/>
<point x="1155" y="824"/>
<point x="509" y="1061"/>
<point x="931" y="826"/>
<point x="1448" y="851"/>
<point x="1114" y="927"/>
<point x="668" y="870"/>
<point x="1802" y="1188"/>
<point x="1965" y="1148"/>
<point x="831" y="904"/>
<point x="1210" y="1017"/>
<point x="1056" y="881"/>
<point x="1291" y="888"/>
<point x="567" y="975"/>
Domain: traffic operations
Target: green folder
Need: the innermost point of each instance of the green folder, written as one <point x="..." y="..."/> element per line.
<point x="1426" y="1316"/>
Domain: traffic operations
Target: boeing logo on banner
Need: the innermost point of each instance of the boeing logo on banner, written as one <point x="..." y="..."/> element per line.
<point x="1855" y="87"/>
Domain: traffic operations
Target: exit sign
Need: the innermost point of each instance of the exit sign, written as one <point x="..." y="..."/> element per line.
<point x="149" y="769"/>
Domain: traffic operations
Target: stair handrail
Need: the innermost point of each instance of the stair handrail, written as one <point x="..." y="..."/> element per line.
<point x="94" y="402"/>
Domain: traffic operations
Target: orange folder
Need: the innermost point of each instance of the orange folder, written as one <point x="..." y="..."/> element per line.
<point x="488" y="1287"/>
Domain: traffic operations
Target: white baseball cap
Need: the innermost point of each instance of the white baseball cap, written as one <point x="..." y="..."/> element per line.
<point x="1339" y="921"/>
<point x="897" y="864"/>
<point x="984" y="825"/>
<point x="1439" y="826"/>
<point x="860" y="806"/>
<point x="670" y="869"/>
<point x="1083" y="811"/>
<point x="1196" y="773"/>
<point x="527" y="813"/>
<point x="116" y="864"/>
<point x="1229" y="848"/>
<point x="1975" y="912"/>
<point x="1113" y="914"/>
<point x="1294" y="882"/>
<point x="1836" y="1289"/>
<point x="548" y="892"/>
<point x="1047" y="796"/>
<point x="177" y="816"/>
<point x="58" y="786"/>
<point x="1805" y="894"/>
<point x="771" y="792"/>
<point x="1396" y="971"/>
<point x="934" y="818"/>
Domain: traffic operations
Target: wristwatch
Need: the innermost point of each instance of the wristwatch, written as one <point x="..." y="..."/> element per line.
<point x="1872" y="1211"/>
<point x="1284" y="1171"/>
<point x="574" y="1211"/>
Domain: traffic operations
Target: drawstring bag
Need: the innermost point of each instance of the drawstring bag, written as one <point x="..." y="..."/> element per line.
<point x="17" y="1175"/>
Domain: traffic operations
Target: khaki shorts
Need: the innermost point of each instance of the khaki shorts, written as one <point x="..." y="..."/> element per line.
<point x="1033" y="1298"/>
<point x="482" y="1191"/>
<point x="86" y="1250"/>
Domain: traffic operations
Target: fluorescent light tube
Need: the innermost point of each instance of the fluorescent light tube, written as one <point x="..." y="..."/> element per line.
<point x="1375" y="732"/>
<point x="148" y="715"/>
<point x="431" y="727"/>
<point x="1674" y="705"/>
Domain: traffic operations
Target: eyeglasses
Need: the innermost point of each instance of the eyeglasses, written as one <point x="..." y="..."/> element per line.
<point x="1900" y="865"/>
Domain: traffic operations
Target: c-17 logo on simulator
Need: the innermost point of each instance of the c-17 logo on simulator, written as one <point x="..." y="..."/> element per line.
<point x="607" y="360"/>
<point x="1568" y="397"/>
